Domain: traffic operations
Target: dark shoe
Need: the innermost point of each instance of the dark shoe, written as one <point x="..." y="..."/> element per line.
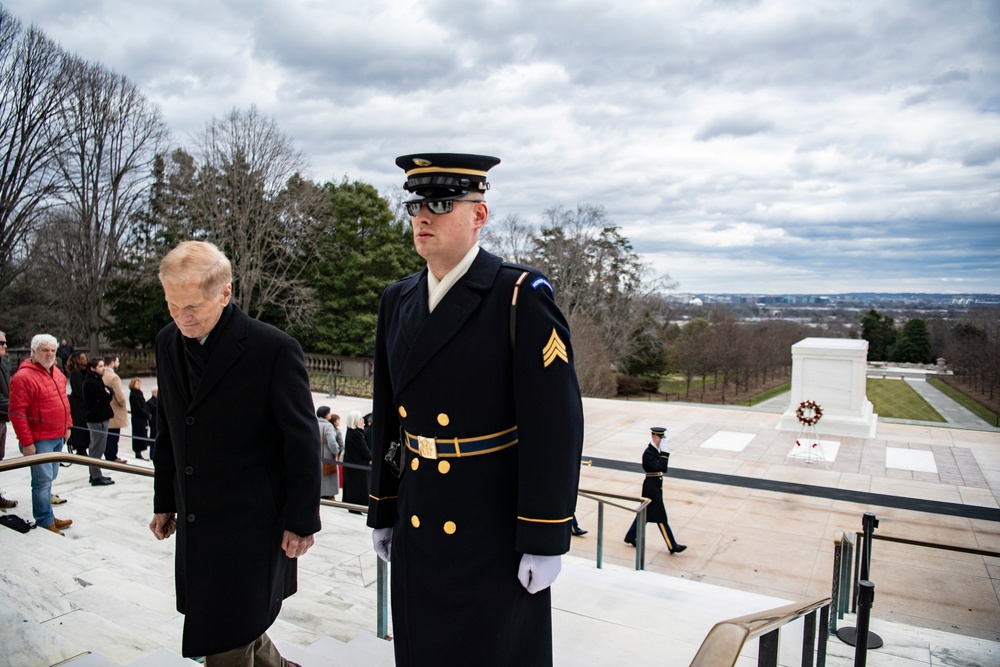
<point x="52" y="527"/>
<point x="140" y="457"/>
<point x="7" y="504"/>
<point x="63" y="523"/>
<point x="628" y="541"/>
<point x="679" y="548"/>
<point x="102" y="481"/>
<point x="579" y="532"/>
<point x="56" y="500"/>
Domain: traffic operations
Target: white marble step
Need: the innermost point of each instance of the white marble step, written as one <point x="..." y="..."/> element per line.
<point x="91" y="660"/>
<point x="368" y="650"/>
<point x="162" y="657"/>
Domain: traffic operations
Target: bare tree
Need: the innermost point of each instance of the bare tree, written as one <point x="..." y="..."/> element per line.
<point x="30" y="136"/>
<point x="600" y="282"/>
<point x="250" y="202"/>
<point x="510" y="237"/>
<point x="113" y="136"/>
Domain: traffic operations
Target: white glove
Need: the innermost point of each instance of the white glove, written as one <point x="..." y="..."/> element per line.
<point x="663" y="449"/>
<point x="382" y="539"/>
<point x="536" y="573"/>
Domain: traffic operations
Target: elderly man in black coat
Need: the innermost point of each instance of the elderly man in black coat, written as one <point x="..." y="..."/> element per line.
<point x="474" y="380"/>
<point x="237" y="467"/>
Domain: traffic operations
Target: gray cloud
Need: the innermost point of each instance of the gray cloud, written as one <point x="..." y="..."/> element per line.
<point x="742" y="145"/>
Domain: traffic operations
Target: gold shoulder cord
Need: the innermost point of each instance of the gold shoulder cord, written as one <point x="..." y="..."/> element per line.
<point x="513" y="308"/>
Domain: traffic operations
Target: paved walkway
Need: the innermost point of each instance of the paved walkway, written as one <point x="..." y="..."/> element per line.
<point x="956" y="413"/>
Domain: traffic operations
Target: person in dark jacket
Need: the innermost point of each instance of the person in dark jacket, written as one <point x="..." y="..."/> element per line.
<point x="79" y="439"/>
<point x="655" y="461"/>
<point x="474" y="380"/>
<point x="237" y="466"/>
<point x="97" y="399"/>
<point x="140" y="417"/>
<point x="153" y="404"/>
<point x="356" y="451"/>
<point x="5" y="503"/>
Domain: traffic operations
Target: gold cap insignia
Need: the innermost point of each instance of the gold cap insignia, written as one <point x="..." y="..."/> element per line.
<point x="554" y="349"/>
<point x="422" y="163"/>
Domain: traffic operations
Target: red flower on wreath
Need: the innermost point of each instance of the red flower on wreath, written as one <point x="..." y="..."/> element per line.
<point x="808" y="413"/>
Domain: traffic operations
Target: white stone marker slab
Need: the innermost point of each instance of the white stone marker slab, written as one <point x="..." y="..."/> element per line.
<point x="729" y="441"/>
<point x="832" y="372"/>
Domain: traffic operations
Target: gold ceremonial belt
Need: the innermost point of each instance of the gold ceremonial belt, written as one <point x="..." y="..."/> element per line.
<point x="433" y="448"/>
<point x="654" y="474"/>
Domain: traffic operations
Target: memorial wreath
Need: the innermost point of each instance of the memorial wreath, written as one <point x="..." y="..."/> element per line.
<point x="808" y="413"/>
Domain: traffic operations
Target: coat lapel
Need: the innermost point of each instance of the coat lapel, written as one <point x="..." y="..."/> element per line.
<point x="177" y="378"/>
<point x="226" y="352"/>
<point x="444" y="323"/>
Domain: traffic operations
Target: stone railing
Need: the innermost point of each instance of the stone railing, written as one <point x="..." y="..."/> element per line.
<point x="328" y="373"/>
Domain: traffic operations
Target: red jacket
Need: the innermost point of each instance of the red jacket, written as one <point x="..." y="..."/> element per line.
<point x="39" y="408"/>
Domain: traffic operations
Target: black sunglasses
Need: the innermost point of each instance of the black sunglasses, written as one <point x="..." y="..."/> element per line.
<point x="438" y="207"/>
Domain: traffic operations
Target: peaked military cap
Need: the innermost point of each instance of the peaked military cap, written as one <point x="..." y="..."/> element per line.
<point x="443" y="176"/>
<point x="658" y="430"/>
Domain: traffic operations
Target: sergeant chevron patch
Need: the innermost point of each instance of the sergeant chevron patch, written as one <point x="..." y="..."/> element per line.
<point x="554" y="349"/>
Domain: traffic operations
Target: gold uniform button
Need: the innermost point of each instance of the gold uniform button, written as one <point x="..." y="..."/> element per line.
<point x="402" y="412"/>
<point x="443" y="467"/>
<point x="443" y="419"/>
<point x="450" y="527"/>
<point x="415" y="521"/>
<point x="414" y="464"/>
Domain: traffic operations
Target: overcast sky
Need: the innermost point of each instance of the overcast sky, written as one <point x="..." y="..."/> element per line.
<point x="780" y="146"/>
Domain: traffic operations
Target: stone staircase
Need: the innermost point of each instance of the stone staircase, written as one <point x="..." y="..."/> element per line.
<point x="103" y="597"/>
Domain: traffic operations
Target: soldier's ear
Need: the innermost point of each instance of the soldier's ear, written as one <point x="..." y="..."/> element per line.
<point x="482" y="214"/>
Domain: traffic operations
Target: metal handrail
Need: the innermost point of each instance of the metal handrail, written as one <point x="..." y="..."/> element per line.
<point x="65" y="457"/>
<point x="640" y="533"/>
<point x="381" y="570"/>
<point x="722" y="645"/>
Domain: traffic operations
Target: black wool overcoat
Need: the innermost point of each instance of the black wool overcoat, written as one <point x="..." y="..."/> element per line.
<point x="462" y="523"/>
<point x="237" y="461"/>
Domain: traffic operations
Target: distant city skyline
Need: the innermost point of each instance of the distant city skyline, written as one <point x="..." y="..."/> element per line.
<point x="767" y="147"/>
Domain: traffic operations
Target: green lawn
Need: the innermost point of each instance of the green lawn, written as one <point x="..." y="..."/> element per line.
<point x="898" y="400"/>
<point x="764" y="395"/>
<point x="973" y="406"/>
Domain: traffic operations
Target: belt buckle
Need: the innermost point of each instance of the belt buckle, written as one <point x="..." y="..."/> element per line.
<point x="428" y="447"/>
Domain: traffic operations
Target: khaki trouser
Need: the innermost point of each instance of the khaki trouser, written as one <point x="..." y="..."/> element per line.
<point x="261" y="652"/>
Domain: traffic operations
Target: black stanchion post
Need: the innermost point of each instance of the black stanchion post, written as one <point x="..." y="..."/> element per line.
<point x="866" y="596"/>
<point x="848" y="635"/>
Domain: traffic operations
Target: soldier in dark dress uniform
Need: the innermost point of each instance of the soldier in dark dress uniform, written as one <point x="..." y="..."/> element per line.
<point x="474" y="379"/>
<point x="654" y="462"/>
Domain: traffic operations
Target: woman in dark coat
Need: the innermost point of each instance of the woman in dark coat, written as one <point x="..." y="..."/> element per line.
<point x="356" y="451"/>
<point x="140" y="417"/>
<point x="79" y="438"/>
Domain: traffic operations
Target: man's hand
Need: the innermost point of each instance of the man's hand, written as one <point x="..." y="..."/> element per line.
<point x="163" y="525"/>
<point x="28" y="450"/>
<point x="295" y="545"/>
<point x="536" y="573"/>
<point x="382" y="539"/>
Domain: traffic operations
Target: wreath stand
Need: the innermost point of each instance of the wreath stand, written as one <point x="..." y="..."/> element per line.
<point x="808" y="413"/>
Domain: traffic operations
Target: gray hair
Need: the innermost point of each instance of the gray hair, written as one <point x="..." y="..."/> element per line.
<point x="43" y="339"/>
<point x="353" y="417"/>
<point x="197" y="259"/>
